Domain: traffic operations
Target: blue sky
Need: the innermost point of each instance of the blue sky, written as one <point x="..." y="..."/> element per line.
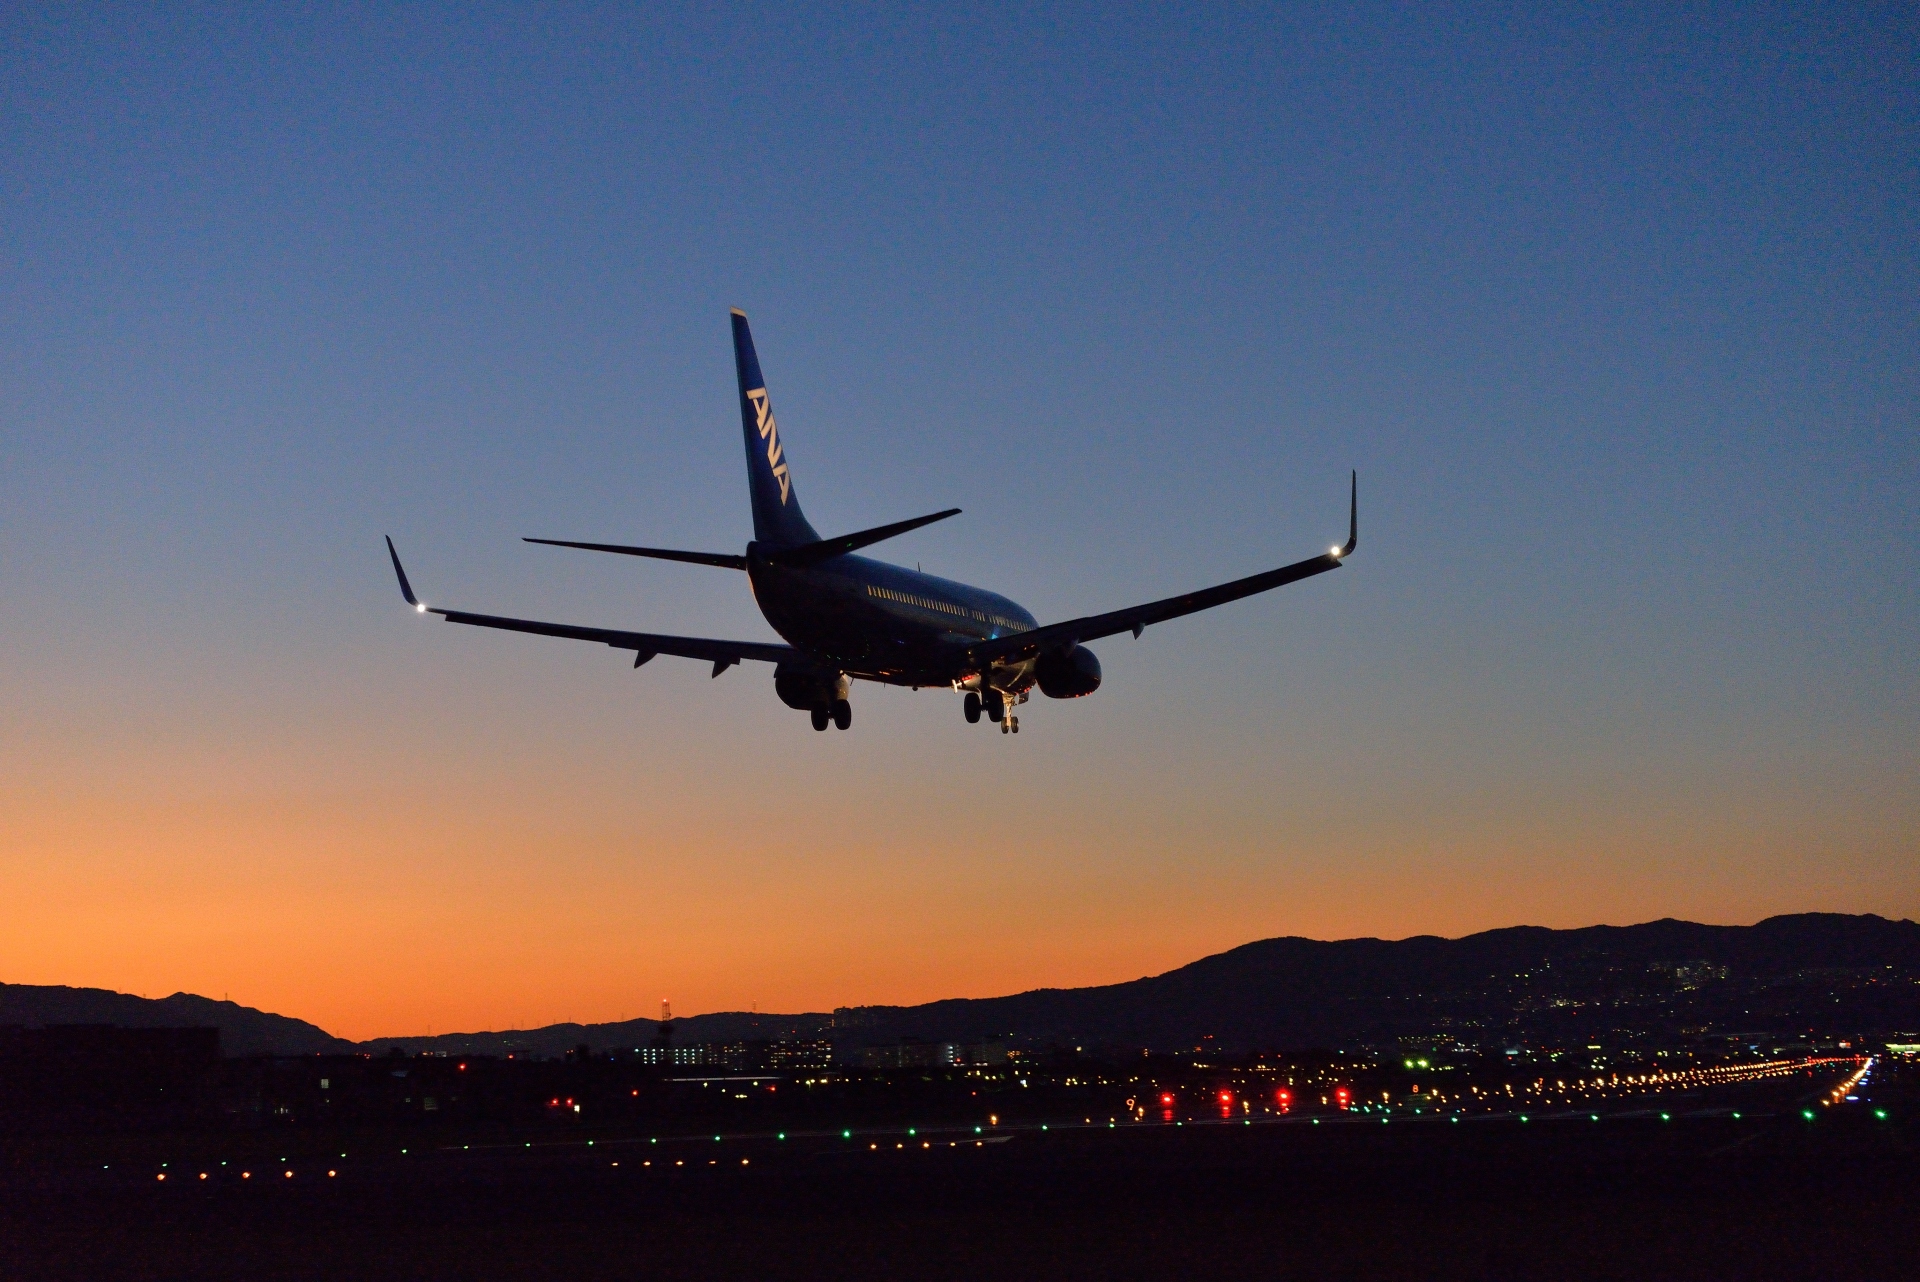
<point x="1612" y="310"/>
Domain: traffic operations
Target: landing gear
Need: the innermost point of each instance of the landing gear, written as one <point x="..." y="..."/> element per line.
<point x="839" y="713"/>
<point x="997" y="705"/>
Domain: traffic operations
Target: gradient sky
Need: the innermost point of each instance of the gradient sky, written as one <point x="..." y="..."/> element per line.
<point x="1614" y="311"/>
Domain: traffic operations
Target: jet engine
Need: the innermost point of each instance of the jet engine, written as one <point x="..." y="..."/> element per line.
<point x="807" y="688"/>
<point x="1067" y="674"/>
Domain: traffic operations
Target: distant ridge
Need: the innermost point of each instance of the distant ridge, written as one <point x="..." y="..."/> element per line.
<point x="243" y="1030"/>
<point x="557" y="1039"/>
<point x="1499" y="984"/>
<point x="1808" y="971"/>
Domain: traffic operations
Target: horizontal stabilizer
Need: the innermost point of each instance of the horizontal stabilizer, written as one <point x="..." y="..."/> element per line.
<point x="827" y="549"/>
<point x="725" y="560"/>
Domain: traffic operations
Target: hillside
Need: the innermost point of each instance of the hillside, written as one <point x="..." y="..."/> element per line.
<point x="557" y="1039"/>
<point x="243" y="1030"/>
<point x="1815" y="970"/>
<point x="1820" y="973"/>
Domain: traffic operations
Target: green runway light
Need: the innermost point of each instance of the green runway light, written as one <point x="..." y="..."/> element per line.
<point x="1665" y="1118"/>
<point x="846" y="1135"/>
<point x="782" y="1135"/>
<point x="1807" y="1113"/>
<point x="976" y="1130"/>
<point x="1316" y="1121"/>
<point x="1523" y="1117"/>
<point x="1880" y="1113"/>
<point x="1736" y="1117"/>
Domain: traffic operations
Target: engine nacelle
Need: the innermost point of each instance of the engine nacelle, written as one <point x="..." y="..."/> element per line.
<point x="1067" y="674"/>
<point x="809" y="688"/>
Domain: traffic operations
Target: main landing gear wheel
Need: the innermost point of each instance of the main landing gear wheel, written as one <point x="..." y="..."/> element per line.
<point x="820" y="718"/>
<point x="996" y="705"/>
<point x="842" y="713"/>
<point x="972" y="707"/>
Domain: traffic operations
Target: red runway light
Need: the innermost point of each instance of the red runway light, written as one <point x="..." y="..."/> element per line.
<point x="1166" y="1099"/>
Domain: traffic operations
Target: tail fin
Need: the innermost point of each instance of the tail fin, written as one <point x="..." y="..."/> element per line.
<point x="777" y="519"/>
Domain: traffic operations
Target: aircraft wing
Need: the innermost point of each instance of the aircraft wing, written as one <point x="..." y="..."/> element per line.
<point x="1135" y="618"/>
<point x="722" y="654"/>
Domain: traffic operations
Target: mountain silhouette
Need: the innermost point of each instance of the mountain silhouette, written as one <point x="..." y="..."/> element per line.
<point x="243" y="1030"/>
<point x="1809" y="973"/>
<point x="1778" y="975"/>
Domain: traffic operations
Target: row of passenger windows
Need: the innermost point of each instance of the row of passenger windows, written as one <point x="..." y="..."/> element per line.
<point x="927" y="603"/>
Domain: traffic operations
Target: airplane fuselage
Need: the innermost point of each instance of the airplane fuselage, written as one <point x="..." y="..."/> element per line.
<point x="885" y="622"/>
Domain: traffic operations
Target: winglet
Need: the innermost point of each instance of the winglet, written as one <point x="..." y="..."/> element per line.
<point x="406" y="589"/>
<point x="1353" y="520"/>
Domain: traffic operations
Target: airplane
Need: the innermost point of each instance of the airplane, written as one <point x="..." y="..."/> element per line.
<point x="848" y="618"/>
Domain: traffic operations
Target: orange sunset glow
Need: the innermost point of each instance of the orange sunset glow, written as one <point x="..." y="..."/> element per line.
<point x="1628" y="387"/>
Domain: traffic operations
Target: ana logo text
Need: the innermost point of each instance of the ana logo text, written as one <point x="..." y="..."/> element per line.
<point x="771" y="435"/>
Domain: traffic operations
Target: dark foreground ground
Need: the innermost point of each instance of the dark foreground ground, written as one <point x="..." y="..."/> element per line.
<point x="1701" y="1194"/>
